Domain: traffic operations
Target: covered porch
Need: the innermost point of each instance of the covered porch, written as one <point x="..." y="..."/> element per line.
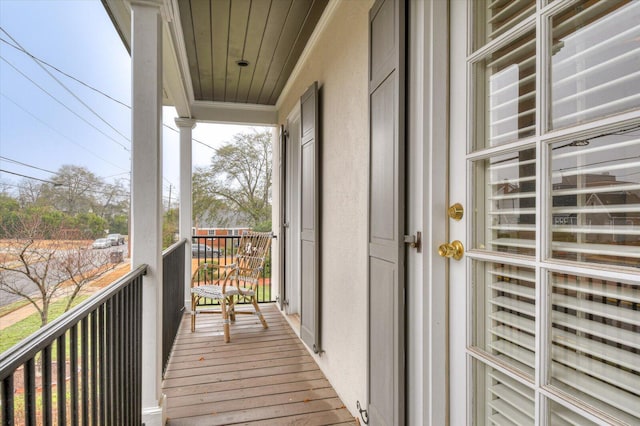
<point x="260" y="377"/>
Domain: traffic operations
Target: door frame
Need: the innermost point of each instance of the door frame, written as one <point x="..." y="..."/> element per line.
<point x="426" y="204"/>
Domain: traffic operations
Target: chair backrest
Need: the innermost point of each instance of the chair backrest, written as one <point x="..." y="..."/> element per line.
<point x="253" y="249"/>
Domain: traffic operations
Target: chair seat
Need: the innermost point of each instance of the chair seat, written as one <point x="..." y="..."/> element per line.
<point x="215" y="291"/>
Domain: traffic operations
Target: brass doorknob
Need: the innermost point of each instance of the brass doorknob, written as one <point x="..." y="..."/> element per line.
<point x="454" y="249"/>
<point x="456" y="211"/>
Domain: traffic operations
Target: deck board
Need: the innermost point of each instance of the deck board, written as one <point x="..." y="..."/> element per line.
<point x="262" y="377"/>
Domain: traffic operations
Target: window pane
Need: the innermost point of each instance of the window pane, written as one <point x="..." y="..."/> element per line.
<point x="505" y="203"/>
<point x="500" y="399"/>
<point x="596" y="199"/>
<point x="505" y="93"/>
<point x="561" y="416"/>
<point x="595" y="342"/>
<point x="595" y="70"/>
<point x="495" y="17"/>
<point x="504" y="313"/>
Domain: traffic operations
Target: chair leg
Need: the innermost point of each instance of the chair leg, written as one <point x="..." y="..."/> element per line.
<point x="193" y="313"/>
<point x="232" y="309"/>
<point x="254" y="302"/>
<point x="225" y="319"/>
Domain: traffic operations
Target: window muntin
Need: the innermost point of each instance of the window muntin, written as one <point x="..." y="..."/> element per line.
<point x="595" y="193"/>
<point x="595" y="342"/>
<point x="595" y="61"/>
<point x="505" y="203"/>
<point x="506" y="93"/>
<point x="504" y="313"/>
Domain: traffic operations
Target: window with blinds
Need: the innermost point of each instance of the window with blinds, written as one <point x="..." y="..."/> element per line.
<point x="502" y="400"/>
<point x="505" y="313"/>
<point x="506" y="93"/>
<point x="595" y="70"/>
<point x="595" y="342"/>
<point x="595" y="190"/>
<point x="572" y="356"/>
<point x="507" y="195"/>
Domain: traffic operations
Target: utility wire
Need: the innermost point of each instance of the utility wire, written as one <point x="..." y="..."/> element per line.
<point x="63" y="104"/>
<point x="29" y="177"/>
<point x="35" y="58"/>
<point x="69" y="90"/>
<point x="25" y="164"/>
<point x="63" y="136"/>
<point x="88" y="86"/>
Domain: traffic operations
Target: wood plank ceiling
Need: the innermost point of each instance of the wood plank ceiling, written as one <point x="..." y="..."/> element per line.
<point x="269" y="35"/>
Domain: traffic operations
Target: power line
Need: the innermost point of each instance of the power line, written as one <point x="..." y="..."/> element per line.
<point x="63" y="104"/>
<point x="56" y="131"/>
<point x="29" y="177"/>
<point x="25" y="164"/>
<point x="70" y="91"/>
<point x="23" y="50"/>
<point x="35" y="58"/>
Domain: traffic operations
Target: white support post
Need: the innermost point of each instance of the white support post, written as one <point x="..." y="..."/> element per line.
<point x="146" y="193"/>
<point x="186" y="205"/>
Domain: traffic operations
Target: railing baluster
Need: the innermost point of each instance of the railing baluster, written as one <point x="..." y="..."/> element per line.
<point x="119" y="389"/>
<point x="30" y="391"/>
<point x="103" y="363"/>
<point x="62" y="379"/>
<point x="128" y="358"/>
<point x="47" y="411"/>
<point x="84" y="365"/>
<point x="138" y="363"/>
<point x="94" y="367"/>
<point x="73" y="370"/>
<point x="7" y="401"/>
<point x="109" y="362"/>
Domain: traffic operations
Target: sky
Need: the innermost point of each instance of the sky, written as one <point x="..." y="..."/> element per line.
<point x="45" y="125"/>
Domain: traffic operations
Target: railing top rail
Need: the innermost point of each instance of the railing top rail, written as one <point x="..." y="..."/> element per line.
<point x="173" y="247"/>
<point x="28" y="348"/>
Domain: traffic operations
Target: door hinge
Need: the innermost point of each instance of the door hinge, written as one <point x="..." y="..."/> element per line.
<point x="414" y="241"/>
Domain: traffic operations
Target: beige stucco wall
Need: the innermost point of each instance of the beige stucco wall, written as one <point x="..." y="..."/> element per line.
<point x="338" y="61"/>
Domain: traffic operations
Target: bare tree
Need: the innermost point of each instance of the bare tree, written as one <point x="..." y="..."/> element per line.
<point x="40" y="270"/>
<point x="237" y="181"/>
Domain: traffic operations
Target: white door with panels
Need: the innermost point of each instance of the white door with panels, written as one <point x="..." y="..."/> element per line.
<point x="544" y="300"/>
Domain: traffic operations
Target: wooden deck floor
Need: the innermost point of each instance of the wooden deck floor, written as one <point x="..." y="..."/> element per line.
<point x="262" y="377"/>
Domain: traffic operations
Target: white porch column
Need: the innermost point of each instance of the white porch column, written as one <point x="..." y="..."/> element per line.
<point x="146" y="192"/>
<point x="186" y="204"/>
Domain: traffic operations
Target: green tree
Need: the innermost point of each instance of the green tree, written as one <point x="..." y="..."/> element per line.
<point x="169" y="227"/>
<point x="119" y="224"/>
<point x="238" y="181"/>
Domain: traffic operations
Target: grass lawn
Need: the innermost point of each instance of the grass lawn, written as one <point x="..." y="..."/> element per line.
<point x="7" y="309"/>
<point x="18" y="331"/>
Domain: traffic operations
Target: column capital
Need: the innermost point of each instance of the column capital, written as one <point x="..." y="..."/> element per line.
<point x="154" y="3"/>
<point x="185" y="122"/>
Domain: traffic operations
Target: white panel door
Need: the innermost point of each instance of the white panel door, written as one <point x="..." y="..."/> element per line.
<point x="545" y="158"/>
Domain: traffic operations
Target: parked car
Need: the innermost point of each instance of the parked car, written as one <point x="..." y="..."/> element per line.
<point x="115" y="239"/>
<point x="101" y="243"/>
<point x="203" y="250"/>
